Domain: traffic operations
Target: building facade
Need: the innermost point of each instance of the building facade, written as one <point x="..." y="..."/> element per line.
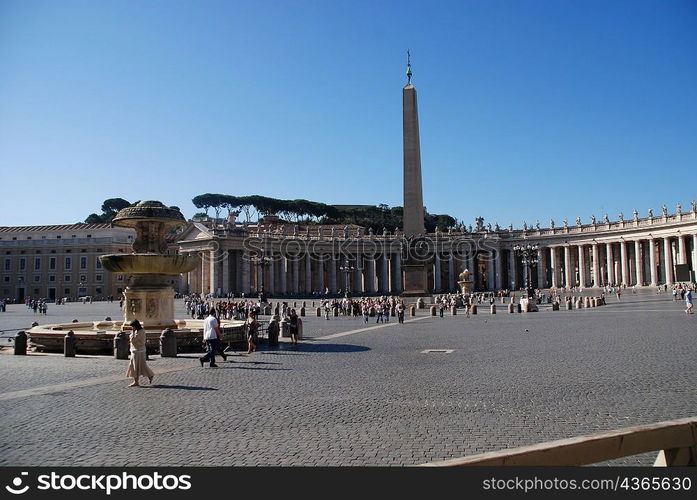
<point x="61" y="261"/>
<point x="306" y="260"/>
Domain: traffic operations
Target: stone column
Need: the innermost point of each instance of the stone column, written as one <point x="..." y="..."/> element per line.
<point x="682" y="257"/>
<point x="581" y="267"/>
<point x="553" y="265"/>
<point x="332" y="275"/>
<point x="694" y="252"/>
<point x="397" y="263"/>
<point x="610" y="263"/>
<point x="357" y="286"/>
<point x="384" y="273"/>
<point x="451" y="272"/>
<point x="652" y="261"/>
<point x="499" y="269"/>
<point x="295" y="265"/>
<point x="271" y="288"/>
<point x="246" y="276"/>
<point x="668" y="258"/>
<point x="284" y="274"/>
<point x="320" y="274"/>
<point x="370" y="276"/>
<point x="436" y="273"/>
<point x="226" y="272"/>
<point x="214" y="276"/>
<point x="596" y="266"/>
<point x="512" y="274"/>
<point x="541" y="268"/>
<point x="568" y="275"/>
<point x="623" y="262"/>
<point x="490" y="278"/>
<point x="308" y="273"/>
<point x="638" y="263"/>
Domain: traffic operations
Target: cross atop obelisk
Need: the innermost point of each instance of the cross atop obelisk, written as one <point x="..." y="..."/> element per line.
<point x="413" y="196"/>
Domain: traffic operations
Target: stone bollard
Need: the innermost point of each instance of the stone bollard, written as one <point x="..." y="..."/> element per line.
<point x="319" y="312"/>
<point x="313" y="303"/>
<point x="503" y="300"/>
<point x="121" y="347"/>
<point x="285" y="328"/>
<point x="587" y="302"/>
<point x="420" y="303"/>
<point x="273" y="331"/>
<point x="528" y="306"/>
<point x="511" y="308"/>
<point x="433" y="310"/>
<point x="412" y="310"/>
<point x="474" y="309"/>
<point x="20" y="346"/>
<point x="519" y="308"/>
<point x="555" y="306"/>
<point x="168" y="343"/>
<point x="568" y="305"/>
<point x="493" y="308"/>
<point x="302" y="311"/>
<point x="453" y="311"/>
<point x="295" y="304"/>
<point x="579" y="304"/>
<point x="69" y="344"/>
<point x="304" y="304"/>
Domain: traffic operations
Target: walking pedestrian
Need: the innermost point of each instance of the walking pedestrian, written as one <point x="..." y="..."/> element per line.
<point x="688" y="302"/>
<point x="252" y="327"/>
<point x="212" y="336"/>
<point x="138" y="366"/>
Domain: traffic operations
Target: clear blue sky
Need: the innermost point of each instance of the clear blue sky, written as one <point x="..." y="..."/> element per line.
<point x="528" y="109"/>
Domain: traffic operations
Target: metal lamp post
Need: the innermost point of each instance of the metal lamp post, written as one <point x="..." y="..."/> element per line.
<point x="529" y="257"/>
<point x="262" y="262"/>
<point x="346" y="268"/>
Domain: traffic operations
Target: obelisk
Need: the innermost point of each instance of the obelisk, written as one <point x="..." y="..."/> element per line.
<point x="414" y="229"/>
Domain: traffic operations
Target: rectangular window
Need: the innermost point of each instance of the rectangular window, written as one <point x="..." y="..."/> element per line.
<point x="99" y="290"/>
<point x="67" y="278"/>
<point x="52" y="277"/>
<point x="37" y="278"/>
<point x="83" y="262"/>
<point x="52" y="263"/>
<point x="98" y="277"/>
<point x="83" y="278"/>
<point x="119" y="277"/>
<point x="37" y="263"/>
<point x="68" y="263"/>
<point x="98" y="263"/>
<point x="7" y="279"/>
<point x="66" y="291"/>
<point x="22" y="264"/>
<point x="8" y="264"/>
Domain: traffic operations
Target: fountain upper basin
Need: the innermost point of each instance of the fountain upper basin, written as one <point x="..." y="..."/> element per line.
<point x="145" y="263"/>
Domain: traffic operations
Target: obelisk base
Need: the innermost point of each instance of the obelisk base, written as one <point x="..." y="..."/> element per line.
<point x="414" y="280"/>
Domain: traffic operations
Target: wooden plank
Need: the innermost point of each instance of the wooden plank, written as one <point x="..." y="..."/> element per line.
<point x="582" y="450"/>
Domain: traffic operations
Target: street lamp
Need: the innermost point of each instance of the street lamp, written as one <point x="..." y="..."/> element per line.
<point x="346" y="268"/>
<point x="529" y="257"/>
<point x="262" y="262"/>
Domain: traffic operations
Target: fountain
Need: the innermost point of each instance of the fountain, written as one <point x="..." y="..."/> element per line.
<point x="149" y="297"/>
<point x="465" y="282"/>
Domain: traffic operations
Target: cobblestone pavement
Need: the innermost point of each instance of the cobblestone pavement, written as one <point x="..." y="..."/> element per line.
<point x="366" y="398"/>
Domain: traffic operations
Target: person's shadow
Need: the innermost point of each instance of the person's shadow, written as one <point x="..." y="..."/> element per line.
<point x="182" y="387"/>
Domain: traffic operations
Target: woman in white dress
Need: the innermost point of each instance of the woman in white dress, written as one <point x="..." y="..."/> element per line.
<point x="138" y="367"/>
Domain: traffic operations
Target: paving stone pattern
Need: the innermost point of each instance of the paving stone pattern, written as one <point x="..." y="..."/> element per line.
<point x="369" y="398"/>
